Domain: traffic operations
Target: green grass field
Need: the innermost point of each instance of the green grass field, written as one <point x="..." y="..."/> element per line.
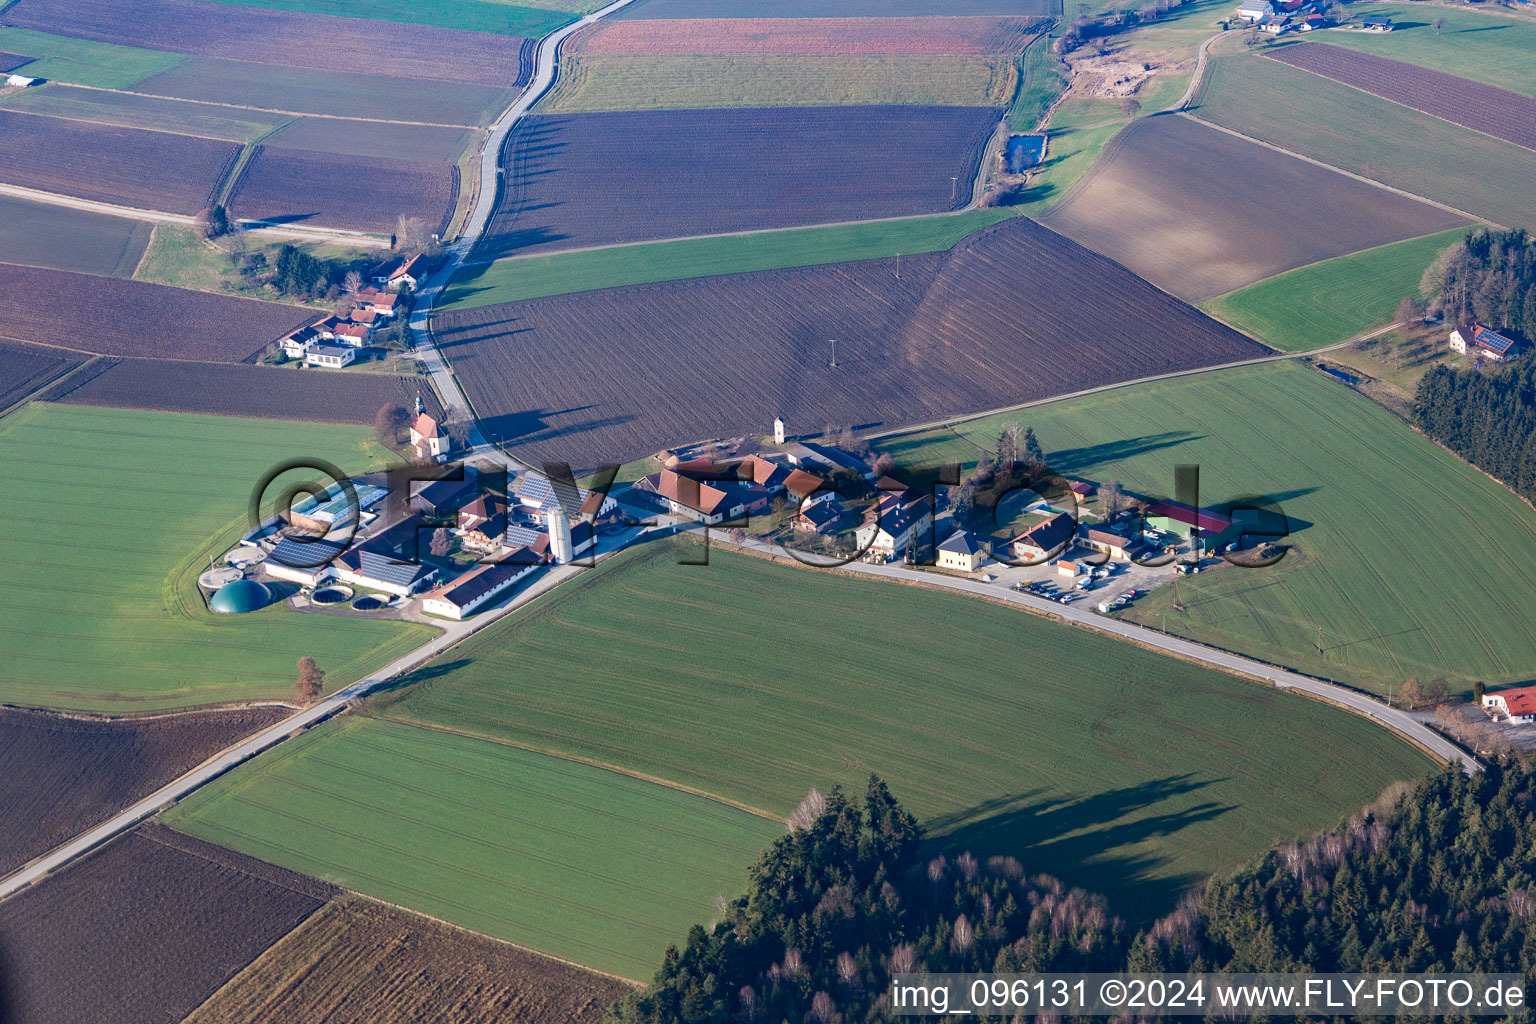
<point x="585" y="864"/>
<point x="1373" y="137"/>
<point x="44" y="235"/>
<point x="177" y="257"/>
<point x="603" y="82"/>
<point x="1070" y="154"/>
<point x="133" y="111"/>
<point x="82" y="62"/>
<point x="1041" y="81"/>
<point x="1408" y="562"/>
<point x="110" y="515"/>
<point x="1497" y="50"/>
<point x="1118" y="769"/>
<point x="529" y="277"/>
<point x="493" y="16"/>
<point x="1334" y="300"/>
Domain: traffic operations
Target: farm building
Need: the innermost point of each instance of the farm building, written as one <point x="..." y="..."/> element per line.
<point x="964" y="552"/>
<point x="303" y="561"/>
<point x="1376" y="24"/>
<point x="1253" y="10"/>
<point x="337" y="506"/>
<point x="894" y="526"/>
<point x="377" y="566"/>
<point x="1082" y="491"/>
<point x="1484" y="343"/>
<point x="442" y="498"/>
<point x="1183" y="520"/>
<point x="825" y="458"/>
<point x="1108" y="542"/>
<point x="709" y="502"/>
<point x="1044" y="538"/>
<point x="475" y="589"/>
<point x="1518" y="704"/>
<point x="21" y="81"/>
<point x="401" y="274"/>
<point x="537" y="496"/>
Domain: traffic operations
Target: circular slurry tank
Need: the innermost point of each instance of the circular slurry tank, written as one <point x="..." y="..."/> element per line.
<point x="213" y="579"/>
<point x="332" y="594"/>
<point x="368" y="603"/>
<point x="239" y="597"/>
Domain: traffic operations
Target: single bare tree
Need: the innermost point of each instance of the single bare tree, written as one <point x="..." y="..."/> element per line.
<point x="352" y="283"/>
<point x="812" y="807"/>
<point x="442" y="542"/>
<point x="311" y="681"/>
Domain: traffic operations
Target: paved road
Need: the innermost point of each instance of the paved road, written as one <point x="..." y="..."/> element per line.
<point x="546" y="67"/>
<point x="155" y="216"/>
<point x="1400" y="722"/>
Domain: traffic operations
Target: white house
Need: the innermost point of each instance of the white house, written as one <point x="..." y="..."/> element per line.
<point x="1253" y="10"/>
<point x="894" y="526"/>
<point x="403" y="275"/>
<point x="963" y="552"/>
<point x="1484" y="343"/>
<point x="1518" y="704"/>
<point x="472" y="591"/>
<point x="332" y="357"/>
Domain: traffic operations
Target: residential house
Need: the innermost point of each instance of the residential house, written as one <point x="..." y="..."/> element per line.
<point x="1044" y="539"/>
<point x="475" y="589"/>
<point x="536" y="496"/>
<point x="352" y="334"/>
<point x="401" y="275"/>
<point x="375" y="303"/>
<point x="711" y="502"/>
<point x="895" y="525"/>
<point x="821" y="515"/>
<point x="1517" y="704"/>
<point x="1274" y="24"/>
<point x="1484" y="343"/>
<point x="331" y="357"/>
<point x="963" y="552"/>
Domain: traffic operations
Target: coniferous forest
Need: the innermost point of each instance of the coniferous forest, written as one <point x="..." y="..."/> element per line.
<point x="1488" y="418"/>
<point x="1441" y="876"/>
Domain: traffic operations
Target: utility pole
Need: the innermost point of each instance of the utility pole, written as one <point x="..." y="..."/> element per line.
<point x="834" y="353"/>
<point x="898" y="266"/>
<point x="954" y="187"/>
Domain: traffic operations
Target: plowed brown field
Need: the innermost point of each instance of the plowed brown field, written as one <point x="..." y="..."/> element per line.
<point x="809" y="36"/>
<point x="1012" y="314"/>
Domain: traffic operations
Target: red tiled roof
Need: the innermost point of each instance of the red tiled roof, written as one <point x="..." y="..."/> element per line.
<point x="425" y="425"/>
<point x="800" y="483"/>
<point x="695" y="494"/>
<point x="1520" y="700"/>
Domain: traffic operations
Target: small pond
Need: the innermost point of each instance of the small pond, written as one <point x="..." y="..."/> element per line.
<point x="368" y="603"/>
<point x="1023" y="152"/>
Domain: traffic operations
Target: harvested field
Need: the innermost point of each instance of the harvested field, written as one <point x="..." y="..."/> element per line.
<point x="808" y="36"/>
<point x="338" y="93"/>
<point x="60" y="776"/>
<point x="46" y="235"/>
<point x="1495" y="49"/>
<point x="357" y="962"/>
<point x="1370" y="136"/>
<point x="497" y="16"/>
<point x="1505" y="115"/>
<point x="1013" y="313"/>
<point x="1175" y="201"/>
<point x="237" y="389"/>
<point x="297" y="40"/>
<point x="23" y="370"/>
<point x="132" y="318"/>
<point x="12" y="61"/>
<point x="816" y="9"/>
<point x="375" y="140"/>
<point x="596" y="82"/>
<point x="143" y="930"/>
<point x="356" y="193"/>
<point x="127" y="166"/>
<point x="130" y="110"/>
<point x="597" y="179"/>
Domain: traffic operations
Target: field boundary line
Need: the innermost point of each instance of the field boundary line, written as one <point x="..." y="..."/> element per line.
<point x="629" y="773"/>
<point x="49" y="383"/>
<point x="247" y="106"/>
<point x="122" y="127"/>
<point x="1474" y="218"/>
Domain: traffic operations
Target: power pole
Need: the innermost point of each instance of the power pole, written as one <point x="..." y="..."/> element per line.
<point x="834" y="353"/>
<point x="954" y="187"/>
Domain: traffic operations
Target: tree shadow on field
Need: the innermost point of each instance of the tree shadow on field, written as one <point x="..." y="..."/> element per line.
<point x="506" y="243"/>
<point x="1081" y="840"/>
<point x="1076" y="460"/>
<point x="391" y="692"/>
<point x="287" y="218"/>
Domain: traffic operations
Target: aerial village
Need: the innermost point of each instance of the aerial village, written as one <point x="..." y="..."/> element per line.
<point x="333" y="342"/>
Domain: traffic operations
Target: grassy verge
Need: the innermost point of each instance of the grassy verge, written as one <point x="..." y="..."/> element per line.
<point x="585" y="864"/>
<point x="529" y="277"/>
<point x="1333" y="300"/>
<point x="115" y="513"/>
<point x="1116" y="768"/>
<point x="1378" y="589"/>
